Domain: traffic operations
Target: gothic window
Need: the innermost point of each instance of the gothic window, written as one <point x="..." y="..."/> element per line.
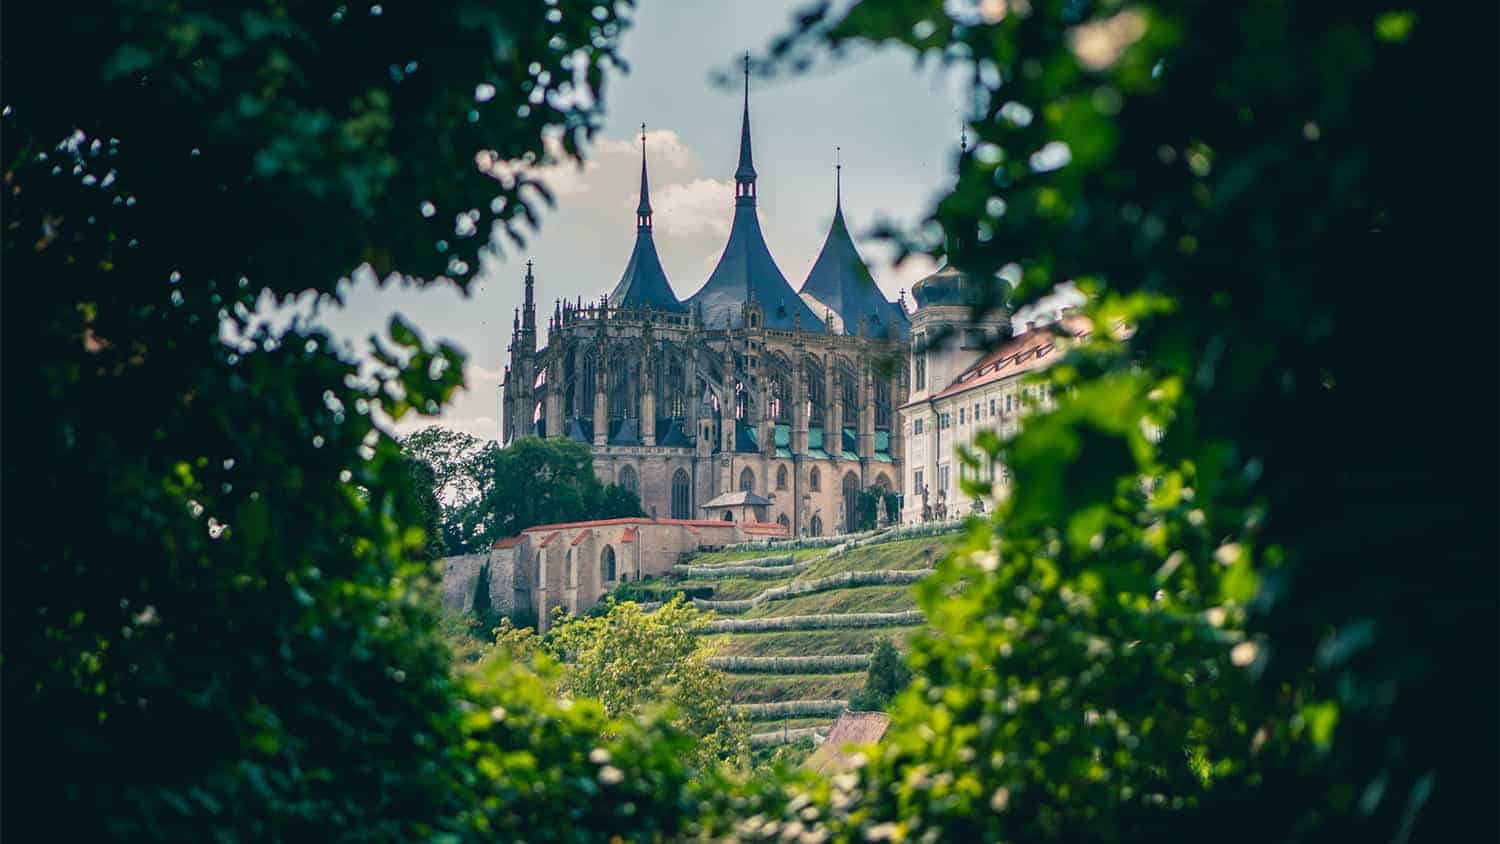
<point x="607" y="564"/>
<point x="781" y="477"/>
<point x="882" y="482"/>
<point x="674" y="390"/>
<point x="849" y="394"/>
<point x="813" y="480"/>
<point x="851" y="503"/>
<point x="747" y="481"/>
<point x="682" y="501"/>
<point x="815" y="527"/>
<point x="883" y="404"/>
<point x="628" y="480"/>
<point x="585" y="392"/>
<point x="620" y="392"/>
<point x="816" y="398"/>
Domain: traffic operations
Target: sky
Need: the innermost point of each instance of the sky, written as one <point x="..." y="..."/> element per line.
<point x="897" y="125"/>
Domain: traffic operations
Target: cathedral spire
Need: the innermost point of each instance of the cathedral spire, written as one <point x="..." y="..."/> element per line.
<point x="528" y="313"/>
<point x="643" y="211"/>
<point x="838" y="181"/>
<point x="744" y="175"/>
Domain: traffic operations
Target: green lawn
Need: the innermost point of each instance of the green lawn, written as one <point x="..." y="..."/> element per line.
<point x="765" y="688"/>
<point x="854" y="599"/>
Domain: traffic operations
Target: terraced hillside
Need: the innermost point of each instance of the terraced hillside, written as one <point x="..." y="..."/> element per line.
<point x="794" y="629"/>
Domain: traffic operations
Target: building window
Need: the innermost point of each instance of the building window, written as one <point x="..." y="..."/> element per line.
<point x="747" y="481"/>
<point x="992" y="408"/>
<point x="916" y="482"/>
<point x="628" y="480"/>
<point x="943" y="479"/>
<point x="781" y="477"/>
<point x="607" y="564"/>
<point x="851" y="503"/>
<point x="960" y="416"/>
<point x="728" y="515"/>
<point x="813" y="480"/>
<point x="783" y="521"/>
<point x="681" y="496"/>
<point x="975" y="417"/>
<point x="1009" y="406"/>
<point x="919" y="364"/>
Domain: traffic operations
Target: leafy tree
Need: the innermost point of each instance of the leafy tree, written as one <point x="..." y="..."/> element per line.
<point x="559" y="483"/>
<point x="478" y="482"/>
<point x="214" y="623"/>
<point x="887" y="675"/>
<point x="424" y="489"/>
<point x="1213" y="604"/>
<point x="633" y="661"/>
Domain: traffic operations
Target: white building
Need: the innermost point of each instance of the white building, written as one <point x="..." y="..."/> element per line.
<point x="958" y="389"/>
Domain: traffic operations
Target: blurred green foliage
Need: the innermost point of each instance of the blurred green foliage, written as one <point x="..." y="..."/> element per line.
<point x="1244" y="588"/>
<point x="216" y="622"/>
<point x="1238" y="589"/>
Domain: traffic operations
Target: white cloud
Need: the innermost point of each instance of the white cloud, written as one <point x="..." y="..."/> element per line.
<point x="688" y="211"/>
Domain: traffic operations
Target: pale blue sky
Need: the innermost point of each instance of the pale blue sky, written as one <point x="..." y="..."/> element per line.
<point x="897" y="124"/>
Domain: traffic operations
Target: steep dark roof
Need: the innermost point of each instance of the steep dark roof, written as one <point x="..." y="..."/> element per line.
<point x="645" y="282"/>
<point x="747" y="271"/>
<point x="841" y="281"/>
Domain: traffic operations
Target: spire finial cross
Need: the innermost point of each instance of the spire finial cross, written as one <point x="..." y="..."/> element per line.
<point x="838" y="174"/>
<point x="643" y="134"/>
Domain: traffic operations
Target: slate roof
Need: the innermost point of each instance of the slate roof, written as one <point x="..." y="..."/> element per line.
<point x="737" y="499"/>
<point x="747" y="271"/>
<point x="644" y="283"/>
<point x="842" y="282"/>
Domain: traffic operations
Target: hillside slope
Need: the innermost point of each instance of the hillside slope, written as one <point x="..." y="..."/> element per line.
<point x="795" y="627"/>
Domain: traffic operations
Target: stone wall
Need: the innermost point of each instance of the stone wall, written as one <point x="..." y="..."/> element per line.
<point x="461" y="573"/>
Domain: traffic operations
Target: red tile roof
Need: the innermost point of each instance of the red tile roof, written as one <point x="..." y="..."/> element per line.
<point x="582" y="536"/>
<point x="509" y="542"/>
<point x="545" y="542"/>
<point x="1022" y="353"/>
<point x="628" y="535"/>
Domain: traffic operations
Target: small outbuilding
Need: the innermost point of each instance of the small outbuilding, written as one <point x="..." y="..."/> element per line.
<point x="738" y="507"/>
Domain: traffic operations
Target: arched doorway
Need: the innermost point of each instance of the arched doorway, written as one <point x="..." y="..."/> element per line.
<point x="815" y="527"/>
<point x="607" y="564"/>
<point x="747" y="481"/>
<point x="851" y="503"/>
<point x="728" y="516"/>
<point x="629" y="481"/>
<point x="682" y="501"/>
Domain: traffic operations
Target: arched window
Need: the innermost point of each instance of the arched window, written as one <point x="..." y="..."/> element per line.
<point x="728" y="516"/>
<point x="747" y="481"/>
<point x="883" y="482"/>
<point x="607" y="564"/>
<point x="816" y="398"/>
<point x="628" y="480"/>
<point x="781" y="477"/>
<point x="783" y="521"/>
<point x="814" y="480"/>
<point x="851" y="503"/>
<point x="815" y="527"/>
<point x="682" y="501"/>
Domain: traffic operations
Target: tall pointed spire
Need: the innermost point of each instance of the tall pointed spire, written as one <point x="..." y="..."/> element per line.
<point x="644" y="284"/>
<point x="744" y="175"/>
<point x="528" y="312"/>
<point x="643" y="211"/>
<point x="838" y="181"/>
<point x="840" y="282"/>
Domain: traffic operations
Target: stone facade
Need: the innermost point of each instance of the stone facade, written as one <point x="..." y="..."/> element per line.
<point x="573" y="565"/>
